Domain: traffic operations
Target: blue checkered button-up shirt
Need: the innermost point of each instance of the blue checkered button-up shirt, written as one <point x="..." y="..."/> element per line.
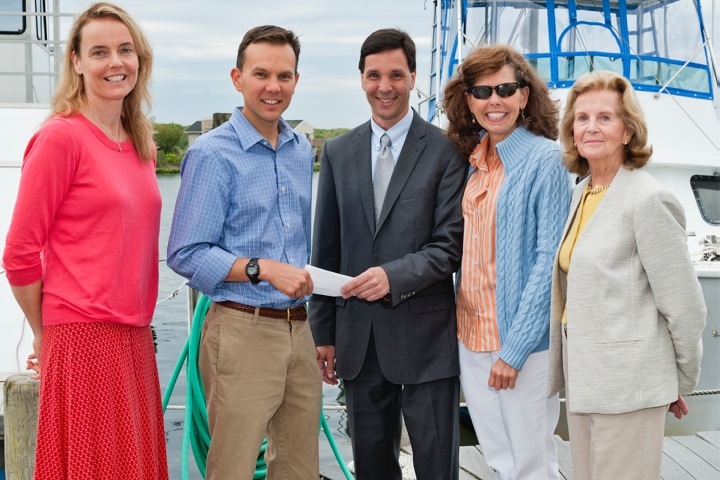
<point x="239" y="197"/>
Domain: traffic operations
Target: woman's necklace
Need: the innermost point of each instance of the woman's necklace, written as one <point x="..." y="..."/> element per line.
<point x="597" y="189"/>
<point x="115" y="139"/>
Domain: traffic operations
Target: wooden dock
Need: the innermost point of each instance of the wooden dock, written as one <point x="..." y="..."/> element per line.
<point x="691" y="457"/>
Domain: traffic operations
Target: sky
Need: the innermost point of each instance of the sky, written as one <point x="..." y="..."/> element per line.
<point x="195" y="45"/>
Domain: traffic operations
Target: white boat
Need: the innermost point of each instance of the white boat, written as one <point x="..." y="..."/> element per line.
<point x="664" y="49"/>
<point x="669" y="62"/>
<point x="31" y="49"/>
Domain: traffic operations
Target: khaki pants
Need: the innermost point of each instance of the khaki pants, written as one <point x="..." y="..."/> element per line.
<point x="261" y="378"/>
<point x="625" y="446"/>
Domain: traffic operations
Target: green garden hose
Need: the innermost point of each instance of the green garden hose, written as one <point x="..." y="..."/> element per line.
<point x="196" y="434"/>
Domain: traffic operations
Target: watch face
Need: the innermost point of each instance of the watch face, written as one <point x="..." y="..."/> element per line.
<point x="252" y="270"/>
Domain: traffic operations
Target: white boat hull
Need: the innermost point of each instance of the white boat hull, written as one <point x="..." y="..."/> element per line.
<point x="17" y="125"/>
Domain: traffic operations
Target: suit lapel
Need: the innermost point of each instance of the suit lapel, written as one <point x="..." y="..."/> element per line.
<point x="409" y="156"/>
<point x="363" y="160"/>
<point x="574" y="204"/>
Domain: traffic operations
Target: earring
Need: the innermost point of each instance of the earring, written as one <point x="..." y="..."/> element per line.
<point x="625" y="141"/>
<point x="473" y="120"/>
<point x="574" y="144"/>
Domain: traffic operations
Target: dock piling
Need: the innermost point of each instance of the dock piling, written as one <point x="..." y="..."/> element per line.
<point x="21" y="414"/>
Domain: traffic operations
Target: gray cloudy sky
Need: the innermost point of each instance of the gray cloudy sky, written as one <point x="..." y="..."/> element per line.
<point x="196" y="43"/>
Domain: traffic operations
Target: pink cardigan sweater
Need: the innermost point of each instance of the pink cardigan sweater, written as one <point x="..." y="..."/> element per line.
<point x="86" y="223"/>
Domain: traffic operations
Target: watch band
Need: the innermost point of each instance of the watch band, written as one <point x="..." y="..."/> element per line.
<point x="252" y="270"/>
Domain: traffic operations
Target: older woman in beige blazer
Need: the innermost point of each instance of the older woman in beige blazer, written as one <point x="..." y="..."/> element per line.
<point x="627" y="312"/>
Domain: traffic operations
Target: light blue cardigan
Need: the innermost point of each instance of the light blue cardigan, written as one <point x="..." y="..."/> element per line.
<point x="532" y="208"/>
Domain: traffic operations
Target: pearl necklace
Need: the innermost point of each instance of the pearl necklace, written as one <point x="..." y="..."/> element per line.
<point x="108" y="133"/>
<point x="597" y="189"/>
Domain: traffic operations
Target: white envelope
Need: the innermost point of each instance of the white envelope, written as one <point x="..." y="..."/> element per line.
<point x="326" y="282"/>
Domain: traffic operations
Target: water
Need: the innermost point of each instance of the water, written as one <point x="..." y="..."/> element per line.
<point x="170" y="323"/>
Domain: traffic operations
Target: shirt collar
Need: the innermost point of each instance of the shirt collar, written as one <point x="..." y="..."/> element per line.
<point x="249" y="135"/>
<point x="396" y="133"/>
<point x="482" y="158"/>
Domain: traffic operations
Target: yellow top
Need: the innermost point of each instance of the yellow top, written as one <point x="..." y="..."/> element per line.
<point x="588" y="204"/>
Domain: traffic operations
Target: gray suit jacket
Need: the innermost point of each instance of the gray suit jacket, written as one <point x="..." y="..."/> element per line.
<point x="418" y="242"/>
<point x="634" y="304"/>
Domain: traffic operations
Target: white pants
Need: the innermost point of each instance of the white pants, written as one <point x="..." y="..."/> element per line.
<point x="514" y="427"/>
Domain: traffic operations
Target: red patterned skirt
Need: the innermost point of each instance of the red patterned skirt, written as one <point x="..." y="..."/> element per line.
<point x="100" y="409"/>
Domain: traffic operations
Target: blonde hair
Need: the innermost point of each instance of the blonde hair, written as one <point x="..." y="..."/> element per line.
<point x="540" y="115"/>
<point x="70" y="93"/>
<point x="637" y="152"/>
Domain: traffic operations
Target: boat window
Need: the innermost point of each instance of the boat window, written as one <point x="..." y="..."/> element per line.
<point x="571" y="66"/>
<point x="706" y="189"/>
<point x="12" y="24"/>
<point x="657" y="44"/>
<point x="542" y="65"/>
<point x="662" y="47"/>
<point x="666" y="31"/>
<point x="588" y="43"/>
<point x="522" y="24"/>
<point x="692" y="78"/>
<point x="589" y="33"/>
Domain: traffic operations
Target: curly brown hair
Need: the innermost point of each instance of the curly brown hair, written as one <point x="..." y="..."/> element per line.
<point x="540" y="115"/>
<point x="637" y="151"/>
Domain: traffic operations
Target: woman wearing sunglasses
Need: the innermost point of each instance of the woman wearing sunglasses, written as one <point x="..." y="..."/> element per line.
<point x="516" y="201"/>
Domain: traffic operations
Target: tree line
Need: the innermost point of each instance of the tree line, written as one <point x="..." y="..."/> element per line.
<point x="172" y="143"/>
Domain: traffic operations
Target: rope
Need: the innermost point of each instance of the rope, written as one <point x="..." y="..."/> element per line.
<point x="703" y="392"/>
<point x="172" y="295"/>
<point x="196" y="433"/>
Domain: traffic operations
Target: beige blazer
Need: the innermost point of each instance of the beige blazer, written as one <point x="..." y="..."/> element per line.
<point x="634" y="304"/>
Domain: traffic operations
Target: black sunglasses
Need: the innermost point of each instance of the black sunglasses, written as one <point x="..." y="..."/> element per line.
<point x="482" y="92"/>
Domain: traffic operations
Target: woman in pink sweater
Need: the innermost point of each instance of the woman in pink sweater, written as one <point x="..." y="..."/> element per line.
<point x="82" y="258"/>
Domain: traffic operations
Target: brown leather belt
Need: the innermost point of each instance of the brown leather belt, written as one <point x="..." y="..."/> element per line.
<point x="293" y="313"/>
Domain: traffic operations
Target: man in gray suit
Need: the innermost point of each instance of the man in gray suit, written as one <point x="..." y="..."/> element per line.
<point x="392" y="335"/>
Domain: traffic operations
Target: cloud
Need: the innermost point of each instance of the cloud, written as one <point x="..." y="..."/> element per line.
<point x="195" y="45"/>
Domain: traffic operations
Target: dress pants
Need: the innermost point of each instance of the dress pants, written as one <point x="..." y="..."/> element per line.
<point x="430" y="410"/>
<point x="261" y="378"/>
<point x="624" y="446"/>
<point x="515" y="427"/>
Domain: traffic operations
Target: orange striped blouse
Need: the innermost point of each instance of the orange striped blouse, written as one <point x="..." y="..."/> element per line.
<point x="476" y="307"/>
